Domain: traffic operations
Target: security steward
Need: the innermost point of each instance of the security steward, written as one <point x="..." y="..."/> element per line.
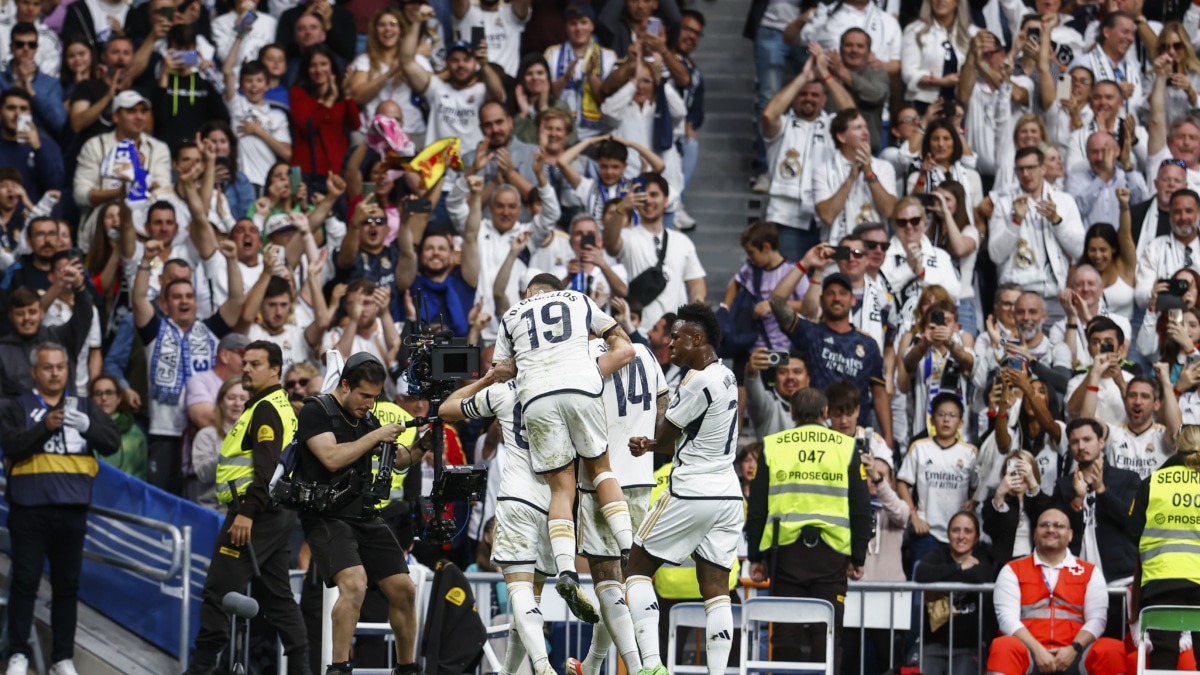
<point x="1166" y="525"/>
<point x="810" y="511"/>
<point x="351" y="545"/>
<point x="49" y="439"/>
<point x="254" y="532"/>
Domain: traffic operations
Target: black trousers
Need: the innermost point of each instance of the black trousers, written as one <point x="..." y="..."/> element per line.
<point x="802" y="572"/>
<point x="41" y="533"/>
<point x="231" y="570"/>
<point x="165" y="467"/>
<point x="1165" y="654"/>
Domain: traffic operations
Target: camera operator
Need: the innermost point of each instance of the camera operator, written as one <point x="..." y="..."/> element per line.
<point x="350" y="543"/>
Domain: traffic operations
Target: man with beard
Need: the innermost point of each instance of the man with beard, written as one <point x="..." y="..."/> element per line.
<point x="833" y="348"/>
<point x="502" y="28"/>
<point x="1170" y="253"/>
<point x="1050" y="361"/>
<point x="501" y="158"/>
<point x="796" y="130"/>
<point x="454" y="104"/>
<point x="254" y="531"/>
<point x="1152" y="218"/>
<point x="32" y="270"/>
<point x="443" y="292"/>
<point x="871" y="298"/>
<point x="1098" y="498"/>
<point x="36" y="156"/>
<point x="770" y="409"/>
<point x="1034" y="232"/>
<point x="1065" y="637"/>
<point x="1142" y="444"/>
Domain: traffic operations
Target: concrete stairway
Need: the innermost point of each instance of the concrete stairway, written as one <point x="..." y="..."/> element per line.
<point x="719" y="197"/>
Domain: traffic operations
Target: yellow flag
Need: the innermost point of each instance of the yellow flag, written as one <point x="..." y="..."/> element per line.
<point x="431" y="163"/>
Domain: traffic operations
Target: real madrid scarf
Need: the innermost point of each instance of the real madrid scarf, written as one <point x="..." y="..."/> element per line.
<point x="588" y="115"/>
<point x="177" y="356"/>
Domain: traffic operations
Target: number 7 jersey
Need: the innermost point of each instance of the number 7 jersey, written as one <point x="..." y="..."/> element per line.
<point x="548" y="335"/>
<point x="704" y="408"/>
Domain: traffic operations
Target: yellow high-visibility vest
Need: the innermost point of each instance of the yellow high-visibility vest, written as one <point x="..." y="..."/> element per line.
<point x="1170" y="544"/>
<point x="809" y="485"/>
<point x="236" y="464"/>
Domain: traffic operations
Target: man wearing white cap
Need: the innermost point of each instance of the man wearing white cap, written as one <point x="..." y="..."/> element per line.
<point x="130" y="112"/>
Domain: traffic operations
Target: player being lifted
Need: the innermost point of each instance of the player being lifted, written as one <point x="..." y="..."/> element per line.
<point x="521" y="544"/>
<point x="544" y="338"/>
<point x="635" y="399"/>
<point x="701" y="513"/>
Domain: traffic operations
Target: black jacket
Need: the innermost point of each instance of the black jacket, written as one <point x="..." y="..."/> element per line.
<point x="1137" y="215"/>
<point x="1113" y="520"/>
<point x="15" y="376"/>
<point x="938" y="566"/>
<point x="1002" y="527"/>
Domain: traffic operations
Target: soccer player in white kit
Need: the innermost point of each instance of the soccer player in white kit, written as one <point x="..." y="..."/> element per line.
<point x="701" y="513"/>
<point x="543" y="342"/>
<point x="635" y="399"/>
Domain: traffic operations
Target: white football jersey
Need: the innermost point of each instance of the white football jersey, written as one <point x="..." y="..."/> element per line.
<point x="705" y="409"/>
<point x="517" y="479"/>
<point x="1140" y="453"/>
<point x="548" y="335"/>
<point x="631" y="409"/>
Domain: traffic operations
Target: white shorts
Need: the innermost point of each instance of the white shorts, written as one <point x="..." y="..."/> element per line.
<point x="596" y="539"/>
<point x="565" y="426"/>
<point x="522" y="537"/>
<point x="707" y="529"/>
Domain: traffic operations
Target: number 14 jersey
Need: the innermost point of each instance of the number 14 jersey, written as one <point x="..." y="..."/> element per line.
<point x="548" y="335"/>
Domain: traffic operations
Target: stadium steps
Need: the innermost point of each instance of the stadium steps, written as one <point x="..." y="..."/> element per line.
<point x="102" y="647"/>
<point x="719" y="197"/>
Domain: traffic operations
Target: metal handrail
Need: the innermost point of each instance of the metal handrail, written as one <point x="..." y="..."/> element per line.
<point x="181" y="558"/>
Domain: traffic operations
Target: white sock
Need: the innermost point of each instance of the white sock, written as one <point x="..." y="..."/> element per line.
<point x="643" y="608"/>
<point x="528" y="620"/>
<point x="601" y="641"/>
<point x="515" y="656"/>
<point x="718" y="633"/>
<point x="617" y="515"/>
<point x="618" y="623"/>
<point x="562" y="542"/>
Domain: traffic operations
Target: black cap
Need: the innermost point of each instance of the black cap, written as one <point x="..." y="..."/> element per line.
<point x="358" y="360"/>
<point x="576" y="10"/>
<point x="838" y="278"/>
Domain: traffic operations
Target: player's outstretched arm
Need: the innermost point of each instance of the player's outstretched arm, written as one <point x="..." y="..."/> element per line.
<point x="451" y="410"/>
<point x="620" y="352"/>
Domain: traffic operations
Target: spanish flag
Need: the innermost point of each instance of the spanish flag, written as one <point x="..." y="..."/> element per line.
<point x="431" y="162"/>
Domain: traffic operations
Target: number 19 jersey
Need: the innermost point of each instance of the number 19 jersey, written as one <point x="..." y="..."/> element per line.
<point x="548" y="335"/>
<point x="705" y="410"/>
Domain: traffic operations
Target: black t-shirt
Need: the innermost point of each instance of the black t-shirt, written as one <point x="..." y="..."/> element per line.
<point x="92" y="91"/>
<point x="314" y="421"/>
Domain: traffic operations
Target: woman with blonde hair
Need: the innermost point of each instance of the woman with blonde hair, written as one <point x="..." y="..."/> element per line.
<point x="376" y="76"/>
<point x="933" y="49"/>
<point x="1168" y="533"/>
<point x="1184" y="80"/>
<point x="206" y="447"/>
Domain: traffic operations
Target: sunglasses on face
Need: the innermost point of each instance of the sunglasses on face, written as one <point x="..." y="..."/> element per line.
<point x="1170" y="46"/>
<point x="874" y="245"/>
<point x="909" y="222"/>
<point x="858" y="253"/>
<point x="28" y="44"/>
<point x="292" y="384"/>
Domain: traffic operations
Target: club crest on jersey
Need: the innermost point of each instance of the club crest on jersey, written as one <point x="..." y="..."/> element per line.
<point x="860" y="351"/>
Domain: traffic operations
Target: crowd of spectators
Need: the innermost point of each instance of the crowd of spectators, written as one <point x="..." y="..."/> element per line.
<point x="980" y="234"/>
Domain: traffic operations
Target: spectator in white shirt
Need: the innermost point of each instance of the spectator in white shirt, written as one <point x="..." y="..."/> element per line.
<point x="454" y="103"/>
<point x="1169" y="253"/>
<point x="1113" y="58"/>
<point x="1171" y="137"/>
<point x="1083" y="302"/>
<point x="831" y="21"/>
<point x="912" y="262"/>
<point x="1108" y="347"/>
<point x="263" y="131"/>
<point x="375" y="76"/>
<point x="1109" y="168"/>
<point x="1183" y="78"/>
<point x="1108" y="116"/>
<point x="502" y="26"/>
<point x="631" y="109"/>
<point x="578" y="68"/>
<point x="239" y="43"/>
<point x="934" y="49"/>
<point x="1035" y="233"/>
<point x="852" y="187"/>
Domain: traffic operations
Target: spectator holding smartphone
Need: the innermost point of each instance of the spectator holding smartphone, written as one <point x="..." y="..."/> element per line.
<point x="1083" y="302"/>
<point x="1106" y="379"/>
<point x="935" y="361"/>
<point x="770" y="408"/>
<point x="1011" y="510"/>
<point x="1182" y="287"/>
<point x="183" y="99"/>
